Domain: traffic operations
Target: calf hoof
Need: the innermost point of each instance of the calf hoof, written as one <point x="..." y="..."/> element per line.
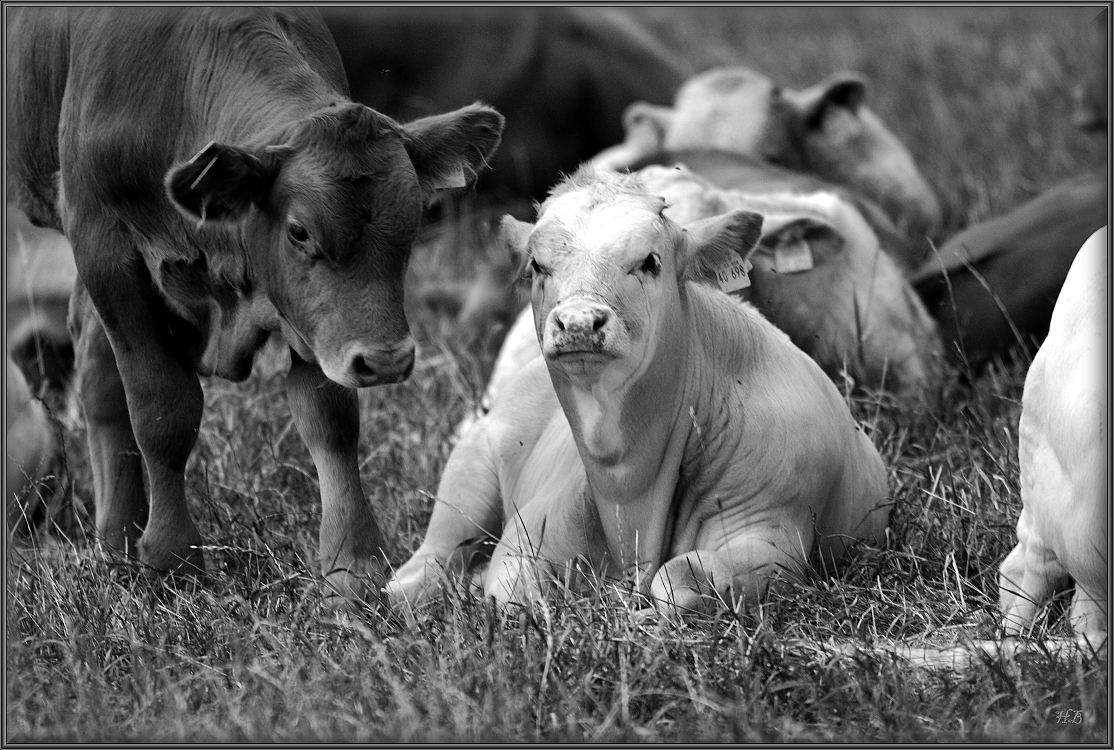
<point x="357" y="583"/>
<point x="177" y="559"/>
<point x="694" y="583"/>
<point x="516" y="581"/>
<point x="416" y="582"/>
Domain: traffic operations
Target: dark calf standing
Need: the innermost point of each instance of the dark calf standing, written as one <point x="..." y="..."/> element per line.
<point x="217" y="184"/>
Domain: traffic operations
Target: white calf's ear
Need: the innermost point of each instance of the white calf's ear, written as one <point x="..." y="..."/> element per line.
<point x="513" y="235"/>
<point x="718" y="241"/>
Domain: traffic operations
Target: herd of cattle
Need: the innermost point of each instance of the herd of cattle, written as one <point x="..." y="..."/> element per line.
<point x="725" y="250"/>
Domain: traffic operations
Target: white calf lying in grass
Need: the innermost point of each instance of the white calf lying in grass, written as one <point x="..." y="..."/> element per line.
<point x="668" y="430"/>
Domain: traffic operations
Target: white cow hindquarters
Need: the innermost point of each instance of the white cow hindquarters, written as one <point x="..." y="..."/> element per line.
<point x="1063" y="451"/>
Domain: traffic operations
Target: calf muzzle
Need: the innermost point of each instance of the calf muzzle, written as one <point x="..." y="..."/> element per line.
<point x="368" y="366"/>
<point x="578" y="327"/>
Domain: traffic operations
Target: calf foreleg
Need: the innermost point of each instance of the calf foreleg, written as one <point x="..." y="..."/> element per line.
<point x="737" y="573"/>
<point x="546" y="533"/>
<point x="467" y="508"/>
<point x="350" y="546"/>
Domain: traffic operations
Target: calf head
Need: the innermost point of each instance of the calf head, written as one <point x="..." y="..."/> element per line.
<point x="825" y="130"/>
<point x="324" y="211"/>
<point x="609" y="269"/>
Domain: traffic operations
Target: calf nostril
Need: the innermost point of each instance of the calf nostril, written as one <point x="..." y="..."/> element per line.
<point x="560" y="323"/>
<point x="362" y="367"/>
<point x="599" y="321"/>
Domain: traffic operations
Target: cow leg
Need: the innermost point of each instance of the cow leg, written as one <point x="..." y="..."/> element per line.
<point x="468" y="507"/>
<point x="699" y="581"/>
<point x="541" y="538"/>
<point x="121" y="505"/>
<point x="350" y="547"/>
<point x="1028" y="577"/>
<point x="1088" y="614"/>
<point x="164" y="402"/>
<point x="737" y="573"/>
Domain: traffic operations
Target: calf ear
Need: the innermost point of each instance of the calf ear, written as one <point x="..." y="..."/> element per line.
<point x="512" y="236"/>
<point x="449" y="150"/>
<point x="815" y="237"/>
<point x="717" y="241"/>
<point x="844" y="89"/>
<point x="220" y="183"/>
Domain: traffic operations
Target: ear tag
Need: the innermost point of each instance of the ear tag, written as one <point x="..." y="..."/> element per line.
<point x="733" y="275"/>
<point x="454" y="179"/>
<point x="793" y="256"/>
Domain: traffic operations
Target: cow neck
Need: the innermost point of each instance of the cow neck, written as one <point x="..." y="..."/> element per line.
<point x="631" y="437"/>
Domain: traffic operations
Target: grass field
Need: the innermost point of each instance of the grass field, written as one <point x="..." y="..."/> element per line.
<point x="96" y="652"/>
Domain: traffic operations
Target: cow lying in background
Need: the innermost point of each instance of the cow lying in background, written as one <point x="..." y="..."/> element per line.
<point x="669" y="430"/>
<point x="1063" y="455"/>
<point x="562" y="76"/>
<point x="40" y="278"/>
<point x="818" y="274"/>
<point x="825" y="130"/>
<point x="741" y="131"/>
<point x="229" y="190"/>
<point x="29" y="449"/>
<point x="994" y="285"/>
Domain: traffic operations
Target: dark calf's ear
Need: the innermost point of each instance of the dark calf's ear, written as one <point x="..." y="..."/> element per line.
<point x="845" y="89"/>
<point x="449" y="150"/>
<point x="220" y="183"/>
<point x="716" y="241"/>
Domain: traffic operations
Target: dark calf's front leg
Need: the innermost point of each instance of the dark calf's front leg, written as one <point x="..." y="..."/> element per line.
<point x="328" y="419"/>
<point x="164" y="404"/>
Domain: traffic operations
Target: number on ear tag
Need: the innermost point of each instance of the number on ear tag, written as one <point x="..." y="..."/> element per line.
<point x="733" y="276"/>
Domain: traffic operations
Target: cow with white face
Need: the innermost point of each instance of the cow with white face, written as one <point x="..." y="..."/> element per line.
<point x="825" y="130"/>
<point x="668" y="431"/>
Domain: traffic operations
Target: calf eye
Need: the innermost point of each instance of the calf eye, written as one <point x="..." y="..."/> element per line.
<point x="535" y="268"/>
<point x="652" y="265"/>
<point x="297" y="232"/>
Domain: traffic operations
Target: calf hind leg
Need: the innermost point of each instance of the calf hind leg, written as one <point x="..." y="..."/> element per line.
<point x="160" y="414"/>
<point x="1027" y="578"/>
<point x="121" y="506"/>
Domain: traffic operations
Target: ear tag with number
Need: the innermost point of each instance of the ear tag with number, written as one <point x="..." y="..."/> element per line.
<point x="793" y="256"/>
<point x="733" y="275"/>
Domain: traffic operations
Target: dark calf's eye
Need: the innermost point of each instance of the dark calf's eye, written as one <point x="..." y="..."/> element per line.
<point x="297" y="232"/>
<point x="535" y="268"/>
<point x="652" y="265"/>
